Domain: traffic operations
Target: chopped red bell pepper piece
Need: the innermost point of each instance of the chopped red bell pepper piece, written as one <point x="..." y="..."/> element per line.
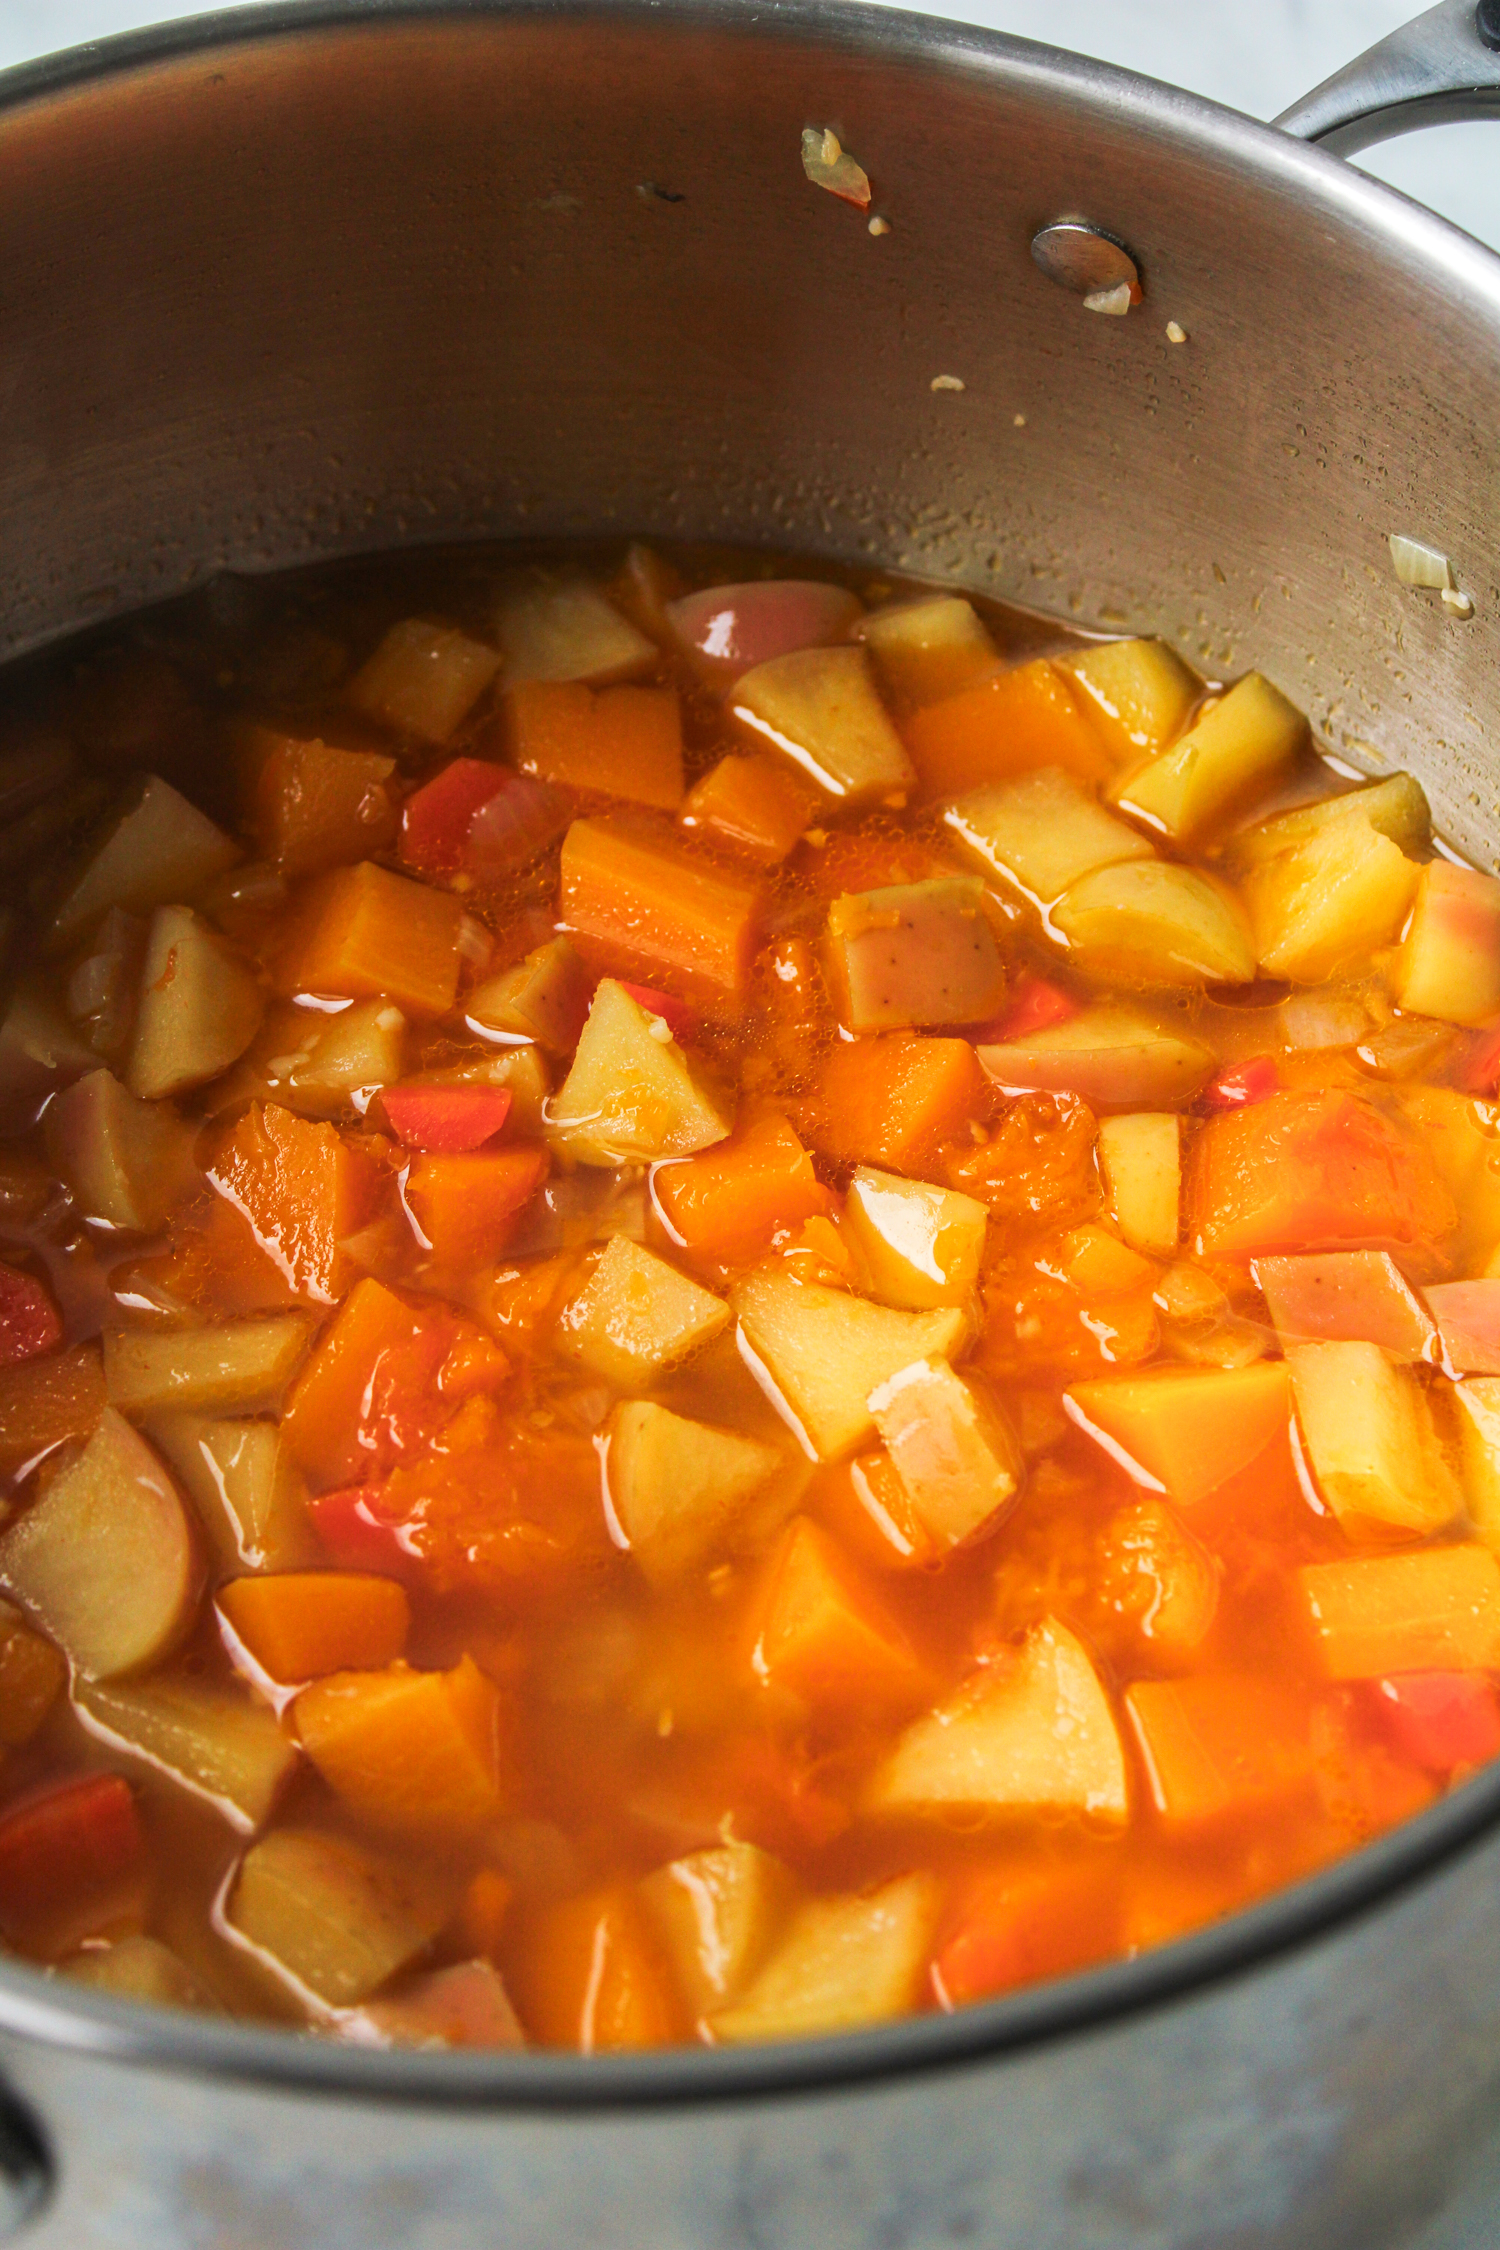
<point x="1440" y="1720"/>
<point x="357" y="1534"/>
<point x="448" y="1119"/>
<point x="64" y="1843"/>
<point x="1034" y="1005"/>
<point x="674" y="1013"/>
<point x="1254" y="1081"/>
<point x="435" y="820"/>
<point x="29" y="1321"/>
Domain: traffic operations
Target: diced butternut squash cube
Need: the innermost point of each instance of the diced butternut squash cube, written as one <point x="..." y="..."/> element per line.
<point x="820" y="708"/>
<point x="160" y="849"/>
<point x="752" y="804"/>
<point x="1111" y="1057"/>
<point x="1147" y="922"/>
<point x="300" y="1625"/>
<point x="464" y="1207"/>
<point x="47" y="1400"/>
<point x="730" y="1204"/>
<point x="1024" y="1919"/>
<point x="917" y="953"/>
<point x="591" y="1975"/>
<point x="718" y="1913"/>
<point x="326" y="1066"/>
<point x="1140" y="1156"/>
<point x="824" y="1352"/>
<point x="638" y="1317"/>
<point x="1185" y="1434"/>
<point x="199" y="1007"/>
<point x="304" y="1189"/>
<point x="32" y="1677"/>
<point x="1468" y="1325"/>
<point x="235" y="1367"/>
<point x="1024" y="718"/>
<point x="1239" y="746"/>
<point x="1396" y="808"/>
<point x="1449" y="963"/>
<point x="1155" y="1574"/>
<point x="1042" y="832"/>
<point x="1101" y="1266"/>
<point x="893" y="1101"/>
<point x="1460" y="1135"/>
<point x="309" y="806"/>
<point x="127" y="1162"/>
<point x="249" y="1498"/>
<point x="624" y="741"/>
<point x="566" y="630"/>
<point x="952" y="1449"/>
<point x="1368" y="1437"/>
<point x="423" y="680"/>
<point x="929" y="649"/>
<point x="1325" y="905"/>
<point x="545" y="998"/>
<point x="367" y="933"/>
<point x="637" y="908"/>
<point x="677" y="1489"/>
<point x="1218" y="1744"/>
<point x="1312" y="1171"/>
<point x="822" y="1632"/>
<point x="631" y="1096"/>
<point x="1435" y="1610"/>
<point x="921" y="1245"/>
<point x="1138" y="694"/>
<point x="842" y="1962"/>
<point x="326" y="1919"/>
<point x="418" y="1753"/>
<point x="1032" y="1732"/>
<point x="369" y="1390"/>
<point x="1477" y="1413"/>
<point x="1348" y="1296"/>
<point x="214" y="1741"/>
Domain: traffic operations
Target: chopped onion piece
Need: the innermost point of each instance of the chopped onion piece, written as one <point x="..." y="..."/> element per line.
<point x="1117" y="300"/>
<point x="828" y="165"/>
<point x="1416" y="564"/>
<point x="519" y="821"/>
<point x="948" y="383"/>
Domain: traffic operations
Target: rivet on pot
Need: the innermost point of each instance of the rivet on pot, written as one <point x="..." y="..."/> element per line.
<point x="1094" y="265"/>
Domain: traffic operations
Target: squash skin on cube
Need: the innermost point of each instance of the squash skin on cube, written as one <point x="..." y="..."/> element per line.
<point x="301" y="1625"/>
<point x="892" y="1101"/>
<point x="368" y="934"/>
<point x="591" y="1976"/>
<point x="1218" y="1745"/>
<point x="200" y="1006"/>
<point x="917" y="953"/>
<point x="1137" y="693"/>
<point x="126" y="1161"/>
<point x="1369" y="1440"/>
<point x="566" y="630"/>
<point x="1026" y="717"/>
<point x="1434" y="1610"/>
<point x="730" y="1203"/>
<point x="1140" y="1156"/>
<point x="238" y="1367"/>
<point x="1151" y="923"/>
<point x="921" y="1245"/>
<point x="415" y="1753"/>
<point x="249" y="1498"/>
<point x="634" y="907"/>
<point x="304" y="1190"/>
<point x="749" y="804"/>
<point x="1346" y="1296"/>
<point x="825" y="1352"/>
<point x="308" y="804"/>
<point x="1449" y="963"/>
<point x="1110" y="1057"/>
<point x="626" y="741"/>
<point x="215" y="1742"/>
<point x="161" y="849"/>
<point x="953" y="1450"/>
<point x="631" y="1096"/>
<point x="1033" y="1732"/>
<point x="1185" y="1434"/>
<point x="677" y="1488"/>
<point x="464" y="1207"/>
<point x="1238" y="746"/>
<point x="638" y="1317"/>
<point x="1312" y="1171"/>
<point x="423" y="680"/>
<point x="842" y="1962"/>
<point x="929" y="649"/>
<point x="1042" y="832"/>
<point x="819" y="708"/>
<point x="326" y="1919"/>
<point x="821" y="1632"/>
<point x="717" y="1913"/>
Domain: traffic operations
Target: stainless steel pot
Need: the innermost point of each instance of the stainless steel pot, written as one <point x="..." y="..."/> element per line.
<point x="303" y="280"/>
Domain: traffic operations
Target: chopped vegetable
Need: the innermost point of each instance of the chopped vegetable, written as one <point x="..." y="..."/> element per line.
<point x="372" y="1389"/>
<point x="462" y="2006"/>
<point x="363" y="931"/>
<point x="32" y="1677"/>
<point x="1324" y="903"/>
<point x="1357" y="1296"/>
<point x="632" y="1096"/>
<point x="1138" y="694"/>
<point x="423" y="680"/>
<point x="892" y="1101"/>
<point x="160" y="849"/>
<point x="448" y="1119"/>
<point x="1255" y="1081"/>
<point x="64" y="1847"/>
<point x="921" y="1245"/>
<point x="825" y="1352"/>
<point x="1110" y="1056"/>
<point x="248" y="1498"/>
<point x="1440" y="1720"/>
<point x="1141" y="1159"/>
<point x="325" y="1066"/>
<point x="1369" y="1440"/>
<point x="235" y="1367"/>
<point x="929" y="649"/>
<point x="127" y="1162"/>
<point x="545" y="997"/>
<point x="731" y="1203"/>
<point x="637" y="1317"/>
<point x="726" y="631"/>
<point x="751" y="804"/>
<point x="1237" y="748"/>
<point x="1218" y="1745"/>
<point x="136" y="1968"/>
<point x="46" y="1401"/>
<point x="418" y="1753"/>
<point x="309" y="805"/>
<point x="824" y="1635"/>
<point x="305" y="1190"/>
<point x="952" y="1449"/>
<point x="1024" y="718"/>
<point x="1449" y="962"/>
<point x="828" y="165"/>
<point x="1042" y="832"/>
<point x="843" y="1962"/>
<point x="463" y="1208"/>
<point x="636" y="907"/>
<point x="820" y="708"/>
<point x="626" y="738"/>
<point x="1186" y="1433"/>
<point x="1314" y="1171"/>
<point x="566" y="630"/>
<point x="1013" y="1924"/>
<point x="215" y="1742"/>
<point x="326" y="1919"/>
<point x="717" y="1914"/>
<point x="300" y="1625"/>
<point x="592" y="1976"/>
<point x="199" y="1007"/>
<point x="29" y="1320"/>
<point x="1145" y="922"/>
<point x="1432" y="1611"/>
<point x="677" y="1488"/>
<point x="918" y="953"/>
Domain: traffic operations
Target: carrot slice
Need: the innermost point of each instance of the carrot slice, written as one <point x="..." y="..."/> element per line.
<point x="301" y="1624"/>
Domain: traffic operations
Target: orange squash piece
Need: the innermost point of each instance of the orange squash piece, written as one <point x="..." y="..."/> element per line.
<point x="416" y="1753"/>
<point x="868" y="1509"/>
<point x="1218" y="1745"/>
<point x="639" y="909"/>
<point x="1187" y="1433"/>
<point x="751" y="804"/>
<point x="371" y="1393"/>
<point x="466" y="1206"/>
<point x="367" y="933"/>
<point x="892" y="1101"/>
<point x="1321" y="1171"/>
<point x="588" y="1975"/>
<point x="302" y="1624"/>
<point x="309" y="805"/>
<point x="728" y="1204"/>
<point x="1012" y="1924"/>
<point x="1436" y="1610"/>
<point x="45" y="1401"/>
<point x="626" y="740"/>
<point x="826" y="1636"/>
<point x="1023" y="718"/>
<point x="483" y="1912"/>
<point x="304" y="1189"/>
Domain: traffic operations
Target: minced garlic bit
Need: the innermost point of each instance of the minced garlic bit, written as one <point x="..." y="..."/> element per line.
<point x="1175" y="334"/>
<point x="1018" y="421"/>
<point x="828" y="165"/>
<point x="1417" y="564"/>
<point x="948" y="383"/>
<point x="660" y="1030"/>
<point x="879" y="225"/>
<point x="1116" y="300"/>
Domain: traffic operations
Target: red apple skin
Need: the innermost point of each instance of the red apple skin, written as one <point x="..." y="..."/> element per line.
<point x="725" y="631"/>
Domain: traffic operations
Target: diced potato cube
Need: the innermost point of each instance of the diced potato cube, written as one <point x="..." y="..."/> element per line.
<point x="953" y="1450"/>
<point x="566" y="630"/>
<point x="1138" y="693"/>
<point x="135" y="1968"/>
<point x="106" y="1558"/>
<point x="1326" y="904"/>
<point x="328" y="1919"/>
<point x="1368" y="1435"/>
<point x="631" y="1095"/>
<point x="1396" y="808"/>
<point x="40" y="1050"/>
<point x="1147" y="922"/>
<point x="1349" y="1296"/>
<point x="545" y="998"/>
<point x="754" y="804"/>
<point x="1185" y="1433"/>
<point x="1141" y="1158"/>
<point x="160" y="849"/>
<point x="423" y="680"/>
<point x="918" y="953"/>
<point x="678" y="1488"/>
<point x="127" y="1162"/>
<point x="1217" y="1745"/>
<point x="1113" y="1057"/>
<point x="1238" y="747"/>
<point x="824" y="1352"/>
<point x="105" y="984"/>
<point x="234" y="1367"/>
<point x="368" y="934"/>
<point x="1436" y="1610"/>
<point x="417" y="1753"/>
<point x="638" y="908"/>
<point x="638" y="1317"/>
<point x="249" y="1498"/>
<point x="823" y="1634"/>
<point x="1449" y="963"/>
<point x="718" y="1912"/>
<point x="842" y="1962"/>
<point x="323" y="1066"/>
<point x="199" y="1007"/>
<point x="921" y="1245"/>
<point x="1043" y="832"/>
<point x="215" y="1741"/>
<point x="929" y="648"/>
<point x="1032" y="1732"/>
<point x="1477" y="1404"/>
<point x="820" y="708"/>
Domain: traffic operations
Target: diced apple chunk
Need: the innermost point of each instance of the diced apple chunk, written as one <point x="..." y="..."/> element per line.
<point x="322" y="1066"/>
<point x="1327" y="902"/>
<point x="638" y="1317"/>
<point x="1369" y="1439"/>
<point x="465" y="2005"/>
<point x="929" y="648"/>
<point x="1043" y="832"/>
<point x="921" y="1245"/>
<point x="106" y="1558"/>
<point x="631" y="1095"/>
<point x="198" y="1011"/>
<point x="327" y="1919"/>
<point x="820" y="708"/>
<point x="717" y="1913"/>
<point x="1436" y="1610"/>
<point x="135" y="1967"/>
<point x="234" y="1367"/>
<point x="678" y="1488"/>
<point x="160" y="849"/>
<point x="1141" y="1158"/>
<point x="1146" y="922"/>
<point x="955" y="1454"/>
<point x="1113" y="1057"/>
<point x="1346" y="1296"/>
<point x="1138" y="693"/>
<point x="545" y="998"/>
<point x="1239" y="746"/>
<point x="127" y="1162"/>
<point x="1477" y="1412"/>
<point x="215" y="1741"/>
<point x="1449" y="963"/>
<point x="1468" y="1320"/>
<point x="1185" y="1433"/>
<point x="824" y="1353"/>
<point x="424" y="679"/>
<point x="842" y="1962"/>
<point x="918" y="953"/>
<point x="1396" y="809"/>
<point x="249" y="1499"/>
<point x="1032" y="1732"/>
<point x="567" y="630"/>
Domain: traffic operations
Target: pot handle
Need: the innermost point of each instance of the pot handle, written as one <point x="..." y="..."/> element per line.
<point x="1440" y="69"/>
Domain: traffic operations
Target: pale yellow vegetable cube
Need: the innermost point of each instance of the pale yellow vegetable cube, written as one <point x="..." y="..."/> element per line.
<point x="1114" y="1058"/>
<point x="677" y="1488"/>
<point x="135" y="1968"/>
<point x="199" y="1008"/>
<point x="216" y="1742"/>
<point x="1042" y="832"/>
<point x="544" y="998"/>
<point x="1396" y="809"/>
<point x="717" y="1913"/>
<point x="1140" y="1155"/>
<point x="249" y="1498"/>
<point x="841" y="1962"/>
<point x="638" y="1317"/>
<point x="160" y="849"/>
<point x="232" y="1367"/>
<point x="325" y="1919"/>
<point x="424" y="679"/>
<point x="1328" y="885"/>
<point x="1031" y="1732"/>
<point x="1239" y="746"/>
<point x="819" y="707"/>
<point x="631" y="1095"/>
<point x="916" y="953"/>
<point x="323" y="1066"/>
<point x="1449" y="963"/>
<point x="1100" y="1265"/>
<point x="822" y="1352"/>
<point x="956" y="1455"/>
<point x="929" y="648"/>
<point x="1138" y="693"/>
<point x="1149" y="922"/>
<point x="40" y="1050"/>
<point x="1477" y="1411"/>
<point x="565" y="629"/>
<point x="1369" y="1441"/>
<point x="921" y="1245"/>
<point x="127" y="1162"/>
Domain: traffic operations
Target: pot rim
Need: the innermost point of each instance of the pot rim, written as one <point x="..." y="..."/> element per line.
<point x="38" y="2006"/>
